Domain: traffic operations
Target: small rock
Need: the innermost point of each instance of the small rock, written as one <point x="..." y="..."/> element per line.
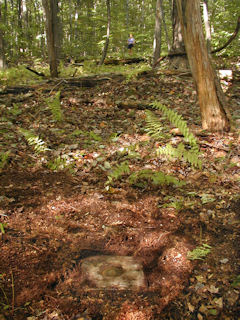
<point x="235" y="160"/>
<point x="225" y="260"/>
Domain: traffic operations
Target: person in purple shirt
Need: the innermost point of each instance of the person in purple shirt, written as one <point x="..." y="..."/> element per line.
<point x="131" y="42"/>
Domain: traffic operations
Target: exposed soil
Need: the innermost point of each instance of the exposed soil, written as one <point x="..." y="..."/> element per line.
<point x="53" y="217"/>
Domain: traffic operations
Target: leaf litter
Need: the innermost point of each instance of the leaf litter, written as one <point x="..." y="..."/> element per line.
<point x="59" y="206"/>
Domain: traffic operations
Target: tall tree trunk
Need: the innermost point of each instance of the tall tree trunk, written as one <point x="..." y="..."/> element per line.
<point x="2" y="44"/>
<point x="52" y="31"/>
<point x="165" y="26"/>
<point x="207" y="25"/>
<point x="108" y="33"/>
<point x="157" y="33"/>
<point x="178" y="62"/>
<point x="210" y="95"/>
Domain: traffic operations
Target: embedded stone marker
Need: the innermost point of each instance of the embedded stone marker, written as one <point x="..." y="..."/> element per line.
<point x="113" y="272"/>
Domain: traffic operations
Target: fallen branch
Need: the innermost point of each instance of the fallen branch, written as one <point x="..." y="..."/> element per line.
<point x="40" y="74"/>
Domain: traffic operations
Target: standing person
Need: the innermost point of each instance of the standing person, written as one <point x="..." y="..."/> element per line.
<point x="131" y="42"/>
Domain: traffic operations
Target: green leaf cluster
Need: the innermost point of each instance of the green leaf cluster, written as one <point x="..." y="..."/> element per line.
<point x="200" y="252"/>
<point x="156" y="177"/>
<point x="58" y="164"/>
<point x="4" y="159"/>
<point x="117" y="172"/>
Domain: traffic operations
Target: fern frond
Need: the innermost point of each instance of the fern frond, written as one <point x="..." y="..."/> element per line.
<point x="154" y="129"/>
<point x="118" y="171"/>
<point x="4" y="159"/>
<point x="59" y="164"/>
<point x="157" y="178"/>
<point x="54" y="103"/>
<point x="199" y="253"/>
<point x="153" y="125"/>
<point x="181" y="153"/>
<point x="178" y="121"/>
<point x="33" y="140"/>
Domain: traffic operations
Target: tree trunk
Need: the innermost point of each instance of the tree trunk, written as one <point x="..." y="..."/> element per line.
<point x="2" y="46"/>
<point x="165" y="26"/>
<point x="108" y="33"/>
<point x="210" y="95"/>
<point x="52" y="29"/>
<point x="157" y="34"/>
<point x="177" y="61"/>
<point x="207" y="25"/>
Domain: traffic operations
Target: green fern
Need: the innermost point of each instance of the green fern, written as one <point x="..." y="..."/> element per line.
<point x="38" y="144"/>
<point x="200" y="252"/>
<point x="54" y="103"/>
<point x="59" y="164"/>
<point x="181" y="153"/>
<point x="154" y="129"/>
<point x="178" y="121"/>
<point x="4" y="159"/>
<point x="118" y="172"/>
<point x="157" y="178"/>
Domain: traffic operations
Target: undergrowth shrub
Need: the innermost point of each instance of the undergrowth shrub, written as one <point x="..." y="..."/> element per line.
<point x="33" y="140"/>
<point x="54" y="104"/>
<point x="154" y="128"/>
<point x="141" y="178"/>
<point x="4" y="159"/>
<point x="158" y="178"/>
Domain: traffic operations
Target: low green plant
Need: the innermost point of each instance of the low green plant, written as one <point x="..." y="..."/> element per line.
<point x="2" y="227"/>
<point x="118" y="172"/>
<point x="199" y="253"/>
<point x="15" y="110"/>
<point x="33" y="140"/>
<point x="140" y="178"/>
<point x="155" y="129"/>
<point x="236" y="282"/>
<point x="59" y="164"/>
<point x="54" y="104"/>
<point x="5" y="303"/>
<point x="4" y="159"/>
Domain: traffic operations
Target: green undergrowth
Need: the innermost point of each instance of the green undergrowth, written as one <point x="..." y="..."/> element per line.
<point x="188" y="150"/>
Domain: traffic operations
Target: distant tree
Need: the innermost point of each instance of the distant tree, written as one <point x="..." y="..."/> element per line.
<point x="157" y="33"/>
<point x="104" y="53"/>
<point x="2" y="42"/>
<point x="212" y="102"/>
<point x="177" y="59"/>
<point x="53" y="34"/>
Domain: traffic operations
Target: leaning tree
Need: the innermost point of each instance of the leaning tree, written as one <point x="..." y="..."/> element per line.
<point x="213" y="105"/>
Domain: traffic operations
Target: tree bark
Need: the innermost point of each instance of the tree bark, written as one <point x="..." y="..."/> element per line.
<point x="52" y="29"/>
<point x="207" y="25"/>
<point x="165" y="26"/>
<point x="210" y="95"/>
<point x="2" y="44"/>
<point x="157" y="33"/>
<point x="178" y="61"/>
<point x="108" y="33"/>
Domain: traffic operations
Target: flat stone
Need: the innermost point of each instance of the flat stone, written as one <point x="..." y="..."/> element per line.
<point x="113" y="272"/>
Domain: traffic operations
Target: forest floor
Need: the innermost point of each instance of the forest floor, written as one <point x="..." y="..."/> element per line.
<point x="74" y="203"/>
